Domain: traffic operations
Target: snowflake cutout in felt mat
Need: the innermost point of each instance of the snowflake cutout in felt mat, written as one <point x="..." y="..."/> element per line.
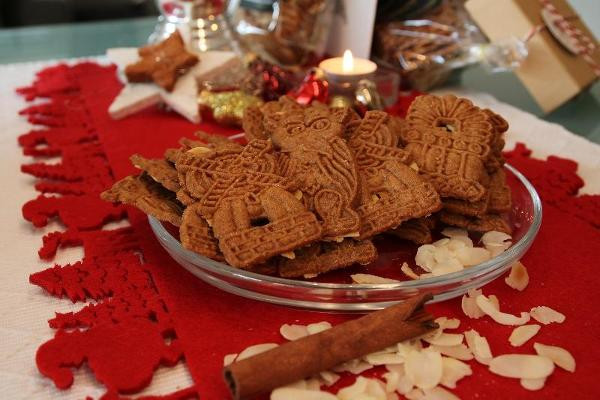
<point x="128" y="314"/>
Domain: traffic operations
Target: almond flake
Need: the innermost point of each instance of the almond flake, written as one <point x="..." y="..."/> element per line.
<point x="293" y="332"/>
<point x="447" y="323"/>
<point x="460" y="352"/>
<point x="558" y="355"/>
<point x="424" y="368"/>
<point x="446" y="339"/>
<point x="496" y="242"/>
<point x="355" y="367"/>
<point x="371" y="279"/>
<point x="439" y="393"/>
<point x="318" y="327"/>
<point x="469" y="305"/>
<point x="287" y="393"/>
<point x="518" y="278"/>
<point x="391" y="381"/>
<point x="415" y="394"/>
<point x="385" y="358"/>
<point x="546" y="315"/>
<point x="479" y="346"/>
<point x="495" y="302"/>
<point x="522" y="366"/>
<point x="254" y="350"/>
<point x="470" y="256"/>
<point x="329" y="377"/>
<point x="533" y="384"/>
<point x="403" y="384"/>
<point x="502" y="318"/>
<point x="522" y="334"/>
<point x="229" y="358"/>
<point x="454" y="232"/>
<point x="408" y="271"/>
<point x="453" y="371"/>
<point x="363" y="388"/>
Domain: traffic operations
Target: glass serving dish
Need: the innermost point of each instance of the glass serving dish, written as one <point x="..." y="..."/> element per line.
<point x="334" y="292"/>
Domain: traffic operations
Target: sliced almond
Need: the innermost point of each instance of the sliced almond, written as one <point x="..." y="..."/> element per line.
<point x="460" y="352"/>
<point x="518" y="278"/>
<point x="229" y="358"/>
<point x="522" y="334"/>
<point x="502" y="318"/>
<point x="409" y="272"/>
<point x="293" y="331"/>
<point x="391" y="381"/>
<point x="469" y="305"/>
<point x="533" y="384"/>
<point x="329" y="377"/>
<point x="363" y="388"/>
<point x="495" y="302"/>
<point x="452" y="371"/>
<point x="289" y="254"/>
<point x="558" y="355"/>
<point x="382" y="359"/>
<point x="454" y="232"/>
<point x="424" y="368"/>
<point x="287" y="393"/>
<point x="254" y="350"/>
<point x="318" y="327"/>
<point x="425" y="257"/>
<point x="439" y="393"/>
<point x="355" y="367"/>
<point x="522" y="366"/>
<point x="371" y="279"/>
<point x="547" y="315"/>
<point x="470" y="256"/>
<point x="415" y="394"/>
<point x="496" y="242"/>
<point x="446" y="339"/>
<point x="447" y="323"/>
<point x="479" y="346"/>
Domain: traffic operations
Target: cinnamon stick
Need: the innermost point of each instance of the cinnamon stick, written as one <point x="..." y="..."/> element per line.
<point x="312" y="354"/>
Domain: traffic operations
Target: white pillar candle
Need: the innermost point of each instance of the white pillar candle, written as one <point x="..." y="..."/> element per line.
<point x="347" y="68"/>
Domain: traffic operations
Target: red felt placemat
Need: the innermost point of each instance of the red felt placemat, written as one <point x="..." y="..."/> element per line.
<point x="210" y="323"/>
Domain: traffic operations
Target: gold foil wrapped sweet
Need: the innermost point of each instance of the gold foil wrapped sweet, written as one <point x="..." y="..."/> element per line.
<point x="227" y="107"/>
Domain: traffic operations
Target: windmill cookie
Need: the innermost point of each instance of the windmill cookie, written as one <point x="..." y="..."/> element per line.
<point x="162" y="63"/>
<point x="449" y="139"/>
<point x="160" y="170"/>
<point x="149" y="196"/>
<point x="197" y="236"/>
<point x="318" y="160"/>
<point x="390" y="191"/>
<point x="463" y="207"/>
<point x="496" y="159"/>
<point x="250" y="235"/>
<point x="485" y="223"/>
<point x="322" y="257"/>
<point x="416" y="230"/>
<point x="219" y="174"/>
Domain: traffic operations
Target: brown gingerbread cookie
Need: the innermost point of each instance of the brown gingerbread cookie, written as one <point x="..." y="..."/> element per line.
<point x="149" y="196"/>
<point x="322" y="257"/>
<point x="162" y="63"/>
<point x="390" y="191"/>
<point x="250" y="235"/>
<point x="197" y="236"/>
<point x="500" y="196"/>
<point x="313" y="155"/>
<point x="160" y="170"/>
<point x="416" y="230"/>
<point x="496" y="160"/>
<point x="449" y="138"/>
<point x="485" y="223"/>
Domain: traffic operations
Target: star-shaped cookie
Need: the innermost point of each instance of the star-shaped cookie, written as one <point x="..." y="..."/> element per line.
<point x="135" y="97"/>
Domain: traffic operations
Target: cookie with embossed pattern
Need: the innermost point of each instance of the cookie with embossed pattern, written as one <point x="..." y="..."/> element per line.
<point x="500" y="195"/>
<point x="391" y="192"/>
<point x="485" y="223"/>
<point x="313" y="155"/>
<point x="197" y="236"/>
<point x="416" y="230"/>
<point x="450" y="138"/>
<point x="322" y="257"/>
<point x="160" y="170"/>
<point x="250" y="235"/>
<point x="149" y="196"/>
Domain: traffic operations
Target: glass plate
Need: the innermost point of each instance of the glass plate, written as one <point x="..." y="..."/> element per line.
<point x="330" y="292"/>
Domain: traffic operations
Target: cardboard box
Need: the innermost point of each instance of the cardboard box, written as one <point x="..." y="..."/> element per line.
<point x="551" y="73"/>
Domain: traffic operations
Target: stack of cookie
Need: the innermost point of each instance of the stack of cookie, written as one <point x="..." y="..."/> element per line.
<point x="315" y="184"/>
<point x="458" y="148"/>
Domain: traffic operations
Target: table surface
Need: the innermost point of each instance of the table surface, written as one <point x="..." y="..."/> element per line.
<point x="580" y="115"/>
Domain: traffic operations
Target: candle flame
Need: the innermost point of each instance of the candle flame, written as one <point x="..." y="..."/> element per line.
<point x="347" y="61"/>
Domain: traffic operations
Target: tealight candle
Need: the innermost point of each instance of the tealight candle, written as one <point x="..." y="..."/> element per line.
<point x="347" y="68"/>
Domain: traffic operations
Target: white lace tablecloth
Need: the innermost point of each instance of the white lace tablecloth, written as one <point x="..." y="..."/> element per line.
<point x="25" y="309"/>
